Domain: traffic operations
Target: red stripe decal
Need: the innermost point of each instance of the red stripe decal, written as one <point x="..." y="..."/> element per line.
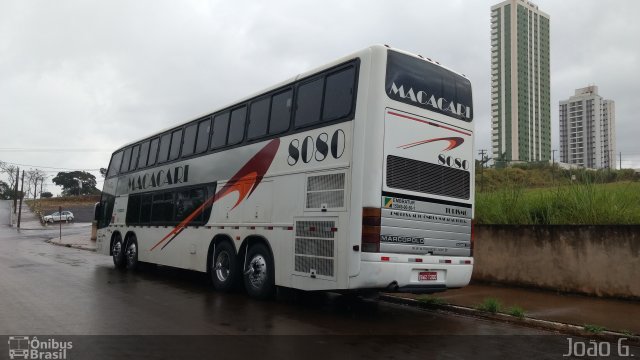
<point x="428" y="123"/>
<point x="252" y="171"/>
<point x="454" y="142"/>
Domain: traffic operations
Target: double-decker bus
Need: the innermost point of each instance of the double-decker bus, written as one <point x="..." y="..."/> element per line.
<point x="354" y="176"/>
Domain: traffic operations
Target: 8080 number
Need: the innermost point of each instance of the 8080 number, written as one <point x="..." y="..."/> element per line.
<point x="317" y="149"/>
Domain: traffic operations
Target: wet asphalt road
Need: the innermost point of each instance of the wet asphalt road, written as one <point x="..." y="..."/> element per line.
<point x="53" y="290"/>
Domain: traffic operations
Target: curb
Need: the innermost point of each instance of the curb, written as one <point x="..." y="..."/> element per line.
<point x="568" y="329"/>
<point x="80" y="247"/>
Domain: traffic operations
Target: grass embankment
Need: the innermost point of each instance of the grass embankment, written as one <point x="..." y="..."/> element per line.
<point x="46" y="206"/>
<point x="580" y="204"/>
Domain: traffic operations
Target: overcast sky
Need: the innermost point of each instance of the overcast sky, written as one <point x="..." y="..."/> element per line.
<point x="81" y="78"/>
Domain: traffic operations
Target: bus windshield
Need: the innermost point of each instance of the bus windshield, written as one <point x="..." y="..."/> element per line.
<point x="420" y="83"/>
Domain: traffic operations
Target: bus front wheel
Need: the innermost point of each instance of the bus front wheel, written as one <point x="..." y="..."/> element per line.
<point x="224" y="267"/>
<point x="259" y="273"/>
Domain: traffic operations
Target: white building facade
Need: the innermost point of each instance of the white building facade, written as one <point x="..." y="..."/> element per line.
<point x="587" y="130"/>
<point x="520" y="82"/>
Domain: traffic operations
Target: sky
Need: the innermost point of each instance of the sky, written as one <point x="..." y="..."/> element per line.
<point x="80" y="78"/>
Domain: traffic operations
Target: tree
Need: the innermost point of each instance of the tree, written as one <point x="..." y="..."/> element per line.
<point x="6" y="192"/>
<point x="10" y="173"/>
<point x="76" y="183"/>
<point x="34" y="177"/>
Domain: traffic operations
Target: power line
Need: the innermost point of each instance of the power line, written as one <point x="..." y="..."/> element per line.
<point x="50" y="167"/>
<point x="53" y="150"/>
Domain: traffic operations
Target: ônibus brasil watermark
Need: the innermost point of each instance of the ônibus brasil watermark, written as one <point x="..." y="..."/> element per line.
<point x="26" y="347"/>
<point x="597" y="348"/>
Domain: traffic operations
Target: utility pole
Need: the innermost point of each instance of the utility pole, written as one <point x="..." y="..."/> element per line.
<point x="15" y="191"/>
<point x="35" y="188"/>
<point x="553" y="165"/>
<point x="21" y="198"/>
<point x="482" y="169"/>
<point x="620" y="160"/>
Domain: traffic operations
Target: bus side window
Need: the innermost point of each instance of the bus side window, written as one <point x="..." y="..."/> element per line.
<point x="134" y="158"/>
<point x="338" y="94"/>
<point x="202" y="141"/>
<point x="162" y="208"/>
<point x="309" y="103"/>
<point x="189" y="141"/>
<point x="236" y="125"/>
<point x="133" y="210"/>
<point x="125" y="160"/>
<point x="145" y="209"/>
<point x="258" y="118"/>
<point x="281" y="112"/>
<point x="153" y="152"/>
<point x="176" y="141"/>
<point x="220" y="127"/>
<point x="163" y="154"/>
<point x="188" y="201"/>
<point x="144" y="154"/>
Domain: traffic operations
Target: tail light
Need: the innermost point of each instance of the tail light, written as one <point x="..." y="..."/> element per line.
<point x="473" y="236"/>
<point x="371" y="229"/>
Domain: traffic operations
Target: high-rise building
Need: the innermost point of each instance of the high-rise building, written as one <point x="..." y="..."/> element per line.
<point x="588" y="130"/>
<point x="520" y="97"/>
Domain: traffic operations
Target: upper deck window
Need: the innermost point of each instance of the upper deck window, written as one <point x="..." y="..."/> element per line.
<point x="176" y="141"/>
<point x="144" y="154"/>
<point x="420" y="83"/>
<point x="189" y="140"/>
<point x="236" y="125"/>
<point x="163" y="154"/>
<point x="280" y="112"/>
<point x="114" y="167"/>
<point x="338" y="94"/>
<point x="153" y="152"/>
<point x="220" y="127"/>
<point x="309" y="102"/>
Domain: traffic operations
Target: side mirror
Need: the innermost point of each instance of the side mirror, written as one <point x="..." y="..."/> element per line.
<point x="97" y="211"/>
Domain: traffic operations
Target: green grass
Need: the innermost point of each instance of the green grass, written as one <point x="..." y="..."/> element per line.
<point x="580" y="204"/>
<point x="516" y="311"/>
<point x="430" y="300"/>
<point x="491" y="305"/>
<point x="594" y="329"/>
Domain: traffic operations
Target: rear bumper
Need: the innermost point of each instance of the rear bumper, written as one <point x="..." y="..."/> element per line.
<point x="401" y="273"/>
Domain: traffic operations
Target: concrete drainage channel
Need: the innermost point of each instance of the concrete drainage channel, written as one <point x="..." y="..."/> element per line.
<point x="568" y="329"/>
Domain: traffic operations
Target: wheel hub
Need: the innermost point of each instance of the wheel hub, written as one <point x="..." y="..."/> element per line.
<point x="131" y="253"/>
<point x="257" y="271"/>
<point x="117" y="248"/>
<point x="222" y="266"/>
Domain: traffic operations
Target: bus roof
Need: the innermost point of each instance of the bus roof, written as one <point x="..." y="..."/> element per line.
<point x="302" y="75"/>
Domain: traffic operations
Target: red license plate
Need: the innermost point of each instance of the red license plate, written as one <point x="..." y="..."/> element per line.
<point x="427" y="276"/>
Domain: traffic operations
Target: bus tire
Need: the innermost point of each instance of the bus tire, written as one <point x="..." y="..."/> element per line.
<point x="224" y="267"/>
<point x="131" y="253"/>
<point x="117" y="252"/>
<point x="259" y="272"/>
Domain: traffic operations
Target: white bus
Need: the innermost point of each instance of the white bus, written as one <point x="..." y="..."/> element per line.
<point x="355" y="176"/>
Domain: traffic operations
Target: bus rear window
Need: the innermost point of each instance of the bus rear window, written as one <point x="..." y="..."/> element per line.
<point x="420" y="83"/>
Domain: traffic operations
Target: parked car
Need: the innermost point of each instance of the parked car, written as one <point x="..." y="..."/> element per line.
<point x="58" y="216"/>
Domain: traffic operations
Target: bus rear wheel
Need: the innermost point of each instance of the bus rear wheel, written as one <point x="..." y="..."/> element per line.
<point x="131" y="254"/>
<point x="117" y="252"/>
<point x="258" y="273"/>
<point x="224" y="267"/>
